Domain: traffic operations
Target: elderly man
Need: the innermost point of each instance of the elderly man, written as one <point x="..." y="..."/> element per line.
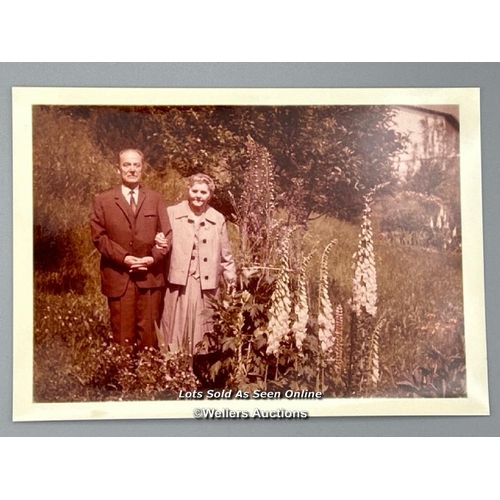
<point x="124" y="222"/>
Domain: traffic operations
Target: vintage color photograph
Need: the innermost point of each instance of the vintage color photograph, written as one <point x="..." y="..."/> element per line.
<point x="307" y="252"/>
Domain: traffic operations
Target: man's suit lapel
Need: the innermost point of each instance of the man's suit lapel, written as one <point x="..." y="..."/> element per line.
<point x="142" y="197"/>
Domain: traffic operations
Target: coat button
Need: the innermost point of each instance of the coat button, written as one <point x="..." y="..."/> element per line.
<point x="205" y="259"/>
<point x="193" y="257"/>
<point x="206" y="277"/>
<point x="204" y="241"/>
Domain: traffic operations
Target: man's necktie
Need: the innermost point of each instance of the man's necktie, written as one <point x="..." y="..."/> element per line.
<point x="133" y="205"/>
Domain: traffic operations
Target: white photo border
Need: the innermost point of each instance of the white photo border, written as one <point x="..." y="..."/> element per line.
<point x="475" y="403"/>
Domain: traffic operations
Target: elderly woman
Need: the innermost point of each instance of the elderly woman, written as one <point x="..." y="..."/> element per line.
<point x="200" y="254"/>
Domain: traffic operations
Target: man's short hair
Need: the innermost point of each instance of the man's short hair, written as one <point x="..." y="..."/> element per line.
<point x="138" y="151"/>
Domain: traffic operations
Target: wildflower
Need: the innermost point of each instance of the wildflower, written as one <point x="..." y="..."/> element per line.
<point x="281" y="304"/>
<point x="374" y="364"/>
<point x="364" y="287"/>
<point x="339" y="338"/>
<point x="301" y="306"/>
<point x="257" y="203"/>
<point x="326" y="320"/>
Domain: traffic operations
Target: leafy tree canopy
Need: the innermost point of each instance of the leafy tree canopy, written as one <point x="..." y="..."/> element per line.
<point x="326" y="157"/>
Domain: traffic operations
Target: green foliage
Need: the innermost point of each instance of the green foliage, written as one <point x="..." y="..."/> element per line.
<point x="437" y="161"/>
<point x="239" y="341"/>
<point x="414" y="219"/>
<point x="443" y="376"/>
<point x="435" y="176"/>
<point x="300" y="164"/>
<point x="239" y="359"/>
<point x="67" y="172"/>
<point x="255" y="211"/>
<point x="64" y="261"/>
<point x="76" y="360"/>
<point x="326" y="157"/>
<point x="419" y="294"/>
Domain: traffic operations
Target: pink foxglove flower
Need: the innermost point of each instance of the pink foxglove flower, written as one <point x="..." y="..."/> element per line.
<point x="281" y="304"/>
<point x="326" y="320"/>
<point x="364" y="286"/>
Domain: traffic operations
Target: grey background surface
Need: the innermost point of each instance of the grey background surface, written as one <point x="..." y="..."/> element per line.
<point x="334" y="75"/>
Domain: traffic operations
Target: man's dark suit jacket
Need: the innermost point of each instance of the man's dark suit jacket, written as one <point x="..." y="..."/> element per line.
<point x="117" y="232"/>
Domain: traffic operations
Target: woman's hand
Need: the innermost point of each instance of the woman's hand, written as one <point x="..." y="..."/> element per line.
<point x="161" y="240"/>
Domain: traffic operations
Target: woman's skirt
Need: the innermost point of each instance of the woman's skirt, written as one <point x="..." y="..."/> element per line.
<point x="187" y="316"/>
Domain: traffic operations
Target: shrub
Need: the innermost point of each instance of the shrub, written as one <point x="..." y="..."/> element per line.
<point x="75" y="358"/>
